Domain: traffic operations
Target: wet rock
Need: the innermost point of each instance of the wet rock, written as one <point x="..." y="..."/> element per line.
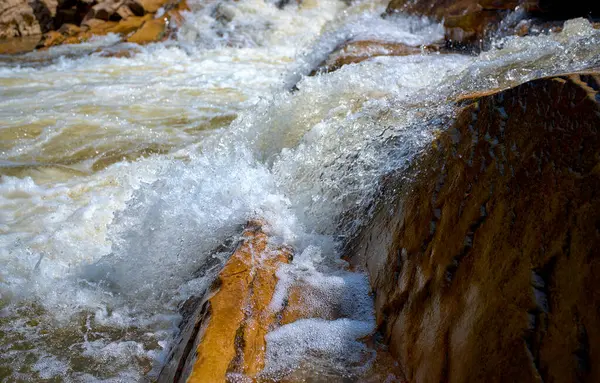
<point x="470" y="22"/>
<point x="133" y="19"/>
<point x="504" y="288"/>
<point x="354" y="52"/>
<point x="233" y="321"/>
<point x="465" y="21"/>
<point x="223" y="335"/>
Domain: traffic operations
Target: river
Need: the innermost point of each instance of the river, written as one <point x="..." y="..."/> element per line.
<point x="121" y="177"/>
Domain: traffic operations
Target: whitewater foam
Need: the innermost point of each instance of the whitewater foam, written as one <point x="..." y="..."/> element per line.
<point x="96" y="258"/>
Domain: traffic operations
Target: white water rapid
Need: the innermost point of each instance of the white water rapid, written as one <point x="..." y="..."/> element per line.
<point x="121" y="176"/>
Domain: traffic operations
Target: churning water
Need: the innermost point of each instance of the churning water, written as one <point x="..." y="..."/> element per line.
<point x="121" y="176"/>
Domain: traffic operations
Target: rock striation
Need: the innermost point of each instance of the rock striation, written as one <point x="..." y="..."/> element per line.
<point x="485" y="266"/>
<point x="224" y="335"/>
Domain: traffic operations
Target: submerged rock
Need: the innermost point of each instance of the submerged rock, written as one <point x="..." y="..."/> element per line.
<point x="485" y="265"/>
<point x="354" y="52"/>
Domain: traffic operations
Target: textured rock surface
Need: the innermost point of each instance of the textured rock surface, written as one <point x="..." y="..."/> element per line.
<point x="231" y="324"/>
<point x="354" y="52"/>
<point x="468" y="22"/>
<point x="223" y="336"/>
<point x="233" y="341"/>
<point x="485" y="266"/>
<point x="76" y="21"/>
<point x="17" y="19"/>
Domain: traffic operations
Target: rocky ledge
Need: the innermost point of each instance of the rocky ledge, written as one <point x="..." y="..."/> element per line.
<point x="223" y="337"/>
<point x="45" y="23"/>
<point x="485" y="266"/>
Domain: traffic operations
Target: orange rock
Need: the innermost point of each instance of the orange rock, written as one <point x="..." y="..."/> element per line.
<point x="125" y="27"/>
<point x="233" y="341"/>
<point x="488" y="272"/>
<point x="17" y="19"/>
<point x="151" y="31"/>
<point x="69" y="30"/>
<point x="52" y="38"/>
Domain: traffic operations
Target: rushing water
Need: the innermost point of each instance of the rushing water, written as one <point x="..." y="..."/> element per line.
<point x="121" y="176"/>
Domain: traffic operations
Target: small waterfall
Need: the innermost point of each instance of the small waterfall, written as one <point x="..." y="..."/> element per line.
<point x="122" y="177"/>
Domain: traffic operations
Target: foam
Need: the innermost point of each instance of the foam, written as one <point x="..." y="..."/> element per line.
<point x="330" y="345"/>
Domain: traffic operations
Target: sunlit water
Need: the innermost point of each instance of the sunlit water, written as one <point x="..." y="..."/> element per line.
<point x="121" y="176"/>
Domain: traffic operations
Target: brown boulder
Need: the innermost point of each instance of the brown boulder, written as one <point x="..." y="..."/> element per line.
<point x="354" y="52"/>
<point x="17" y="19"/>
<point x="485" y="266"/>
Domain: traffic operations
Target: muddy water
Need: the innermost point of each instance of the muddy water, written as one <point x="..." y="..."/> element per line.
<point x="121" y="176"/>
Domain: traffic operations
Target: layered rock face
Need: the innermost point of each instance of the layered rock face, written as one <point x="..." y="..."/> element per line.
<point x="485" y="266"/>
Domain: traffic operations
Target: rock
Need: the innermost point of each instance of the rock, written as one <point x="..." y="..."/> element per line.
<point x="223" y="334"/>
<point x="19" y="44"/>
<point x="232" y="323"/>
<point x="133" y="19"/>
<point x="17" y="18"/>
<point x="104" y="10"/>
<point x="137" y="29"/>
<point x="465" y="21"/>
<point x="45" y="11"/>
<point x="151" y="31"/>
<point x="233" y="341"/>
<point x="149" y="6"/>
<point x="125" y="12"/>
<point x="69" y="30"/>
<point x="51" y="39"/>
<point x="470" y="22"/>
<point x="485" y="266"/>
<point x="357" y="51"/>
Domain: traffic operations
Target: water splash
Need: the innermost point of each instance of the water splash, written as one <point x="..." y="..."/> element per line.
<point x="121" y="176"/>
